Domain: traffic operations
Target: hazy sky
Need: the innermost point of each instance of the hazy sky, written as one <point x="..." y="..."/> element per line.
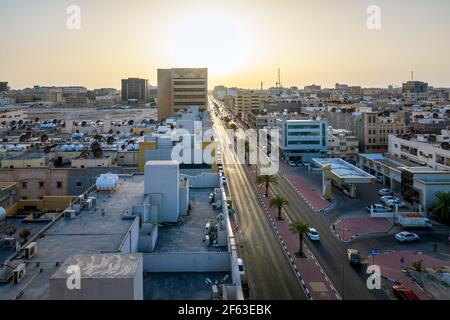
<point x="242" y="42"/>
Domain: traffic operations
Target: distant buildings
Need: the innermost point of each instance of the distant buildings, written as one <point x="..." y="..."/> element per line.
<point x="220" y="92"/>
<point x="370" y="127"/>
<point x="343" y="144"/>
<point x="180" y="88"/>
<point x="135" y="89"/>
<point x="248" y="100"/>
<point x="302" y="140"/>
<point x="415" y="90"/>
<point x="3" y="86"/>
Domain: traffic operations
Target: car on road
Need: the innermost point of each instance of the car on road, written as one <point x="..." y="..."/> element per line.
<point x="313" y="235"/>
<point x="242" y="270"/>
<point x="406" y="236"/>
<point x="378" y="207"/>
<point x="395" y="202"/>
<point x="403" y="293"/>
<point x="385" y="192"/>
<point x="224" y="180"/>
<point x="385" y="199"/>
<point x="353" y="257"/>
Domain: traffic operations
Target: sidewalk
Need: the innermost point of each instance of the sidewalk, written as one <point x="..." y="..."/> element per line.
<point x="349" y="228"/>
<point x="308" y="270"/>
<point x="304" y="189"/>
<point x="390" y="266"/>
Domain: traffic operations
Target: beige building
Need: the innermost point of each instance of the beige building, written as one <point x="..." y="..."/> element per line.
<point x="371" y="128"/>
<point x="249" y="100"/>
<point x="180" y="88"/>
<point x="342" y="144"/>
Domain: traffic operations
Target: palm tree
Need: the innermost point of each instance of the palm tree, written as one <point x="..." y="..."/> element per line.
<point x="279" y="202"/>
<point x="301" y="229"/>
<point x="233" y="126"/>
<point x="266" y="179"/>
<point x="441" y="206"/>
<point x="247" y="151"/>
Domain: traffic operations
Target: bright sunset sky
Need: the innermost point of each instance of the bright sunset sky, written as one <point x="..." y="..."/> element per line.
<point x="241" y="42"/>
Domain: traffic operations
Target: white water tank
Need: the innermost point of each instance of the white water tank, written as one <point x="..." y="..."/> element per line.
<point x="2" y="214"/>
<point x="107" y="181"/>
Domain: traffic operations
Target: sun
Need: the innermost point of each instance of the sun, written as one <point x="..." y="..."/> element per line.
<point x="214" y="41"/>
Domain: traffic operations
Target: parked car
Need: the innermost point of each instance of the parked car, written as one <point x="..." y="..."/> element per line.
<point x="224" y="180"/>
<point x="413" y="220"/>
<point x="353" y="257"/>
<point x="395" y="202"/>
<point x="385" y="192"/>
<point x="403" y="293"/>
<point x="405" y="236"/>
<point x="313" y="235"/>
<point x="242" y="270"/>
<point x="377" y="207"/>
<point x="385" y="199"/>
<point x="291" y="163"/>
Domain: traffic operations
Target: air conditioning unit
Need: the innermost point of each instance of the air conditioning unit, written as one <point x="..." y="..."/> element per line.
<point x="215" y="292"/>
<point x="19" y="273"/>
<point x="81" y="198"/>
<point x="9" y="242"/>
<point x="89" y="204"/>
<point x="30" y="250"/>
<point x="94" y="201"/>
<point x="69" y="214"/>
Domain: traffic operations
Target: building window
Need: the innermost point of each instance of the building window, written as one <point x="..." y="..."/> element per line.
<point x="59" y="184"/>
<point x="41" y="184"/>
<point x="78" y="183"/>
<point x="24" y="185"/>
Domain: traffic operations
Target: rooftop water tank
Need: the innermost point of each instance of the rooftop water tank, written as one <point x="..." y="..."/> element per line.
<point x="107" y="181"/>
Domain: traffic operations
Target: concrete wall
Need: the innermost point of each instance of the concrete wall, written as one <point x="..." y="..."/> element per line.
<point x="204" y="180"/>
<point x="130" y="243"/>
<point x="187" y="262"/>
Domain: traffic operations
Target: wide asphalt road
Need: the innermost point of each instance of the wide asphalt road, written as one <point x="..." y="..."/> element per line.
<point x="330" y="252"/>
<point x="269" y="273"/>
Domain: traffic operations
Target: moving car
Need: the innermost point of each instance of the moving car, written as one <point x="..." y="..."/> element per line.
<point x="385" y="192"/>
<point x="385" y="199"/>
<point x="377" y="207"/>
<point x="353" y="257"/>
<point x="403" y="293"/>
<point x="313" y="235"/>
<point x="405" y="236"/>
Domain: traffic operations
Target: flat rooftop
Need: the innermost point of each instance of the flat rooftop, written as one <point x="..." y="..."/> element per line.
<point x="89" y="233"/>
<point x="344" y="170"/>
<point x="166" y="286"/>
<point x="187" y="235"/>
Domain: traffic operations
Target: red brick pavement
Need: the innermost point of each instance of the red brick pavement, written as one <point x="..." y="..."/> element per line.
<point x="312" y="197"/>
<point x="312" y="276"/>
<point x="391" y="267"/>
<point x="350" y="227"/>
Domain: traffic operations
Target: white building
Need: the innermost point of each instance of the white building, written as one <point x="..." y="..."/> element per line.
<point x="424" y="150"/>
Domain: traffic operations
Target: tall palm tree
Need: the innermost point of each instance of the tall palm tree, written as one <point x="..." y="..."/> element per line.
<point x="266" y="179"/>
<point x="441" y="206"/>
<point x="233" y="126"/>
<point x="301" y="229"/>
<point x="279" y="202"/>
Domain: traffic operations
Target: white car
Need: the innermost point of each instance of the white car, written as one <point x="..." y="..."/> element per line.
<point x="291" y="163"/>
<point x="395" y="202"/>
<point x="224" y="180"/>
<point x="385" y="199"/>
<point x="241" y="270"/>
<point x="313" y="235"/>
<point x="385" y="192"/>
<point x="406" y="236"/>
<point x="377" y="207"/>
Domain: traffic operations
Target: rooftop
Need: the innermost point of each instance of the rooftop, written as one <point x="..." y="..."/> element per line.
<point x="89" y="233"/>
<point x="344" y="170"/>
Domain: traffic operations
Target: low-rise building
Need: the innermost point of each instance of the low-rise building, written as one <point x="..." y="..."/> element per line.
<point x="342" y="144"/>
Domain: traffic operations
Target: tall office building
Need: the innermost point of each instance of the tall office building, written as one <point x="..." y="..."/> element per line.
<point x="180" y="88"/>
<point x="135" y="88"/>
<point x="415" y="90"/>
<point x="4" y="86"/>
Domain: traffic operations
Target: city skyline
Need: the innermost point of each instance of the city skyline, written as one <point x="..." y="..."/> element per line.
<point x="244" y="44"/>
